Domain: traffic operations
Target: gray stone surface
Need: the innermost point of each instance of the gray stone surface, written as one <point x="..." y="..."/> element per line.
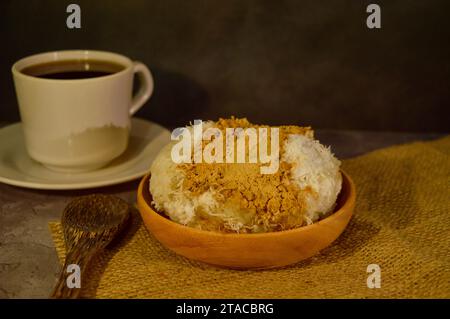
<point x="28" y="261"/>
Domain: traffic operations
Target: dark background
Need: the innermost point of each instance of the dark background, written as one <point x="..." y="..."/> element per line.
<point x="277" y="62"/>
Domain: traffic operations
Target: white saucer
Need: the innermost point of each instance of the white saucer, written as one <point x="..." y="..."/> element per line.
<point x="17" y="168"/>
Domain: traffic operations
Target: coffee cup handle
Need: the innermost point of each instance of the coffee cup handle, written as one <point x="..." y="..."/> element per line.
<point x="146" y="86"/>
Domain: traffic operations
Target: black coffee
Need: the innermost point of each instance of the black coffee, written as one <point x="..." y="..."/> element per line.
<point x="73" y="69"/>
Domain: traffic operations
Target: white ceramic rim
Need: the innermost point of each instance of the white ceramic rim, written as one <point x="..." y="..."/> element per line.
<point x="17" y="67"/>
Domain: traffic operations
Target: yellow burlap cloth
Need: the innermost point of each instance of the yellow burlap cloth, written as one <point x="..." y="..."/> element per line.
<point x="401" y="223"/>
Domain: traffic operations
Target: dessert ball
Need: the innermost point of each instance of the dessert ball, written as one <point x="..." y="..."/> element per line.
<point x="296" y="185"/>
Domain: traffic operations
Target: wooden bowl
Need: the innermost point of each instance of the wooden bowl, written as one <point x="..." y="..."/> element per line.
<point x="245" y="251"/>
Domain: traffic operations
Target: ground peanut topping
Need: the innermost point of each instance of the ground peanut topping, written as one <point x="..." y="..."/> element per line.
<point x="270" y="200"/>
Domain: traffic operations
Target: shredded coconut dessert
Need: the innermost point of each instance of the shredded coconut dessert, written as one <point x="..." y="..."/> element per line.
<point x="237" y="197"/>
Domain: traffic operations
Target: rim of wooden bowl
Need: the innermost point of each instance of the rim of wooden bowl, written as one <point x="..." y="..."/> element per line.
<point x="345" y="202"/>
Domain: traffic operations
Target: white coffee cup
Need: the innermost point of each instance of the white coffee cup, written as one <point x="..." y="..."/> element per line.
<point x="76" y="125"/>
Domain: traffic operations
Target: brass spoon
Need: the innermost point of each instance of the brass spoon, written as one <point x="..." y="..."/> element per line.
<point x="89" y="223"/>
